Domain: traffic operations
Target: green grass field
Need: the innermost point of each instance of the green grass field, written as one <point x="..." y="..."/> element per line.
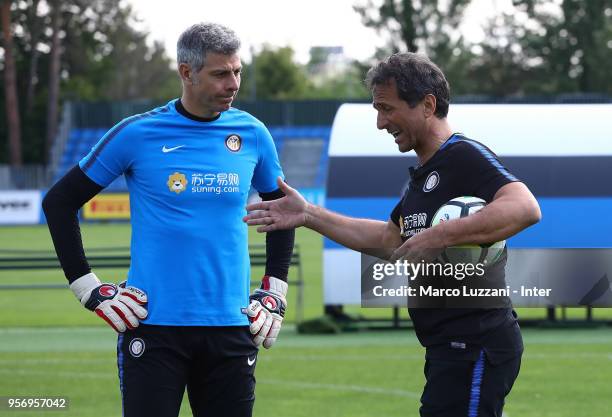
<point x="50" y="346"/>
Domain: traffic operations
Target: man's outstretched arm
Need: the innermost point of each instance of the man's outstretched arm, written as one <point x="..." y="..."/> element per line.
<point x="293" y="211"/>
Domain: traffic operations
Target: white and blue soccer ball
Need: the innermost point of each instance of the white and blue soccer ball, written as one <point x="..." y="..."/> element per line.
<point x="486" y="254"/>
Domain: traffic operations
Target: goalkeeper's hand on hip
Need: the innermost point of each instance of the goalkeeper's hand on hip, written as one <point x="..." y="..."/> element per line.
<point x="266" y="310"/>
<point x="120" y="306"/>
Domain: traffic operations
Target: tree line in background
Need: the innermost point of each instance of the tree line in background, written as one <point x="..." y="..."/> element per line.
<point x="94" y="50"/>
<point x="70" y="49"/>
<point x="544" y="47"/>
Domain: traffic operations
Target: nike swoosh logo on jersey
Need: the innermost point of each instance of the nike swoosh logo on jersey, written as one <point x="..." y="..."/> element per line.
<point x="251" y="362"/>
<point x="166" y="150"/>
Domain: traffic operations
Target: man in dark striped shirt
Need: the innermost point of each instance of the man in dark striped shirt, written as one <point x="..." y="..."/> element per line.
<point x="473" y="352"/>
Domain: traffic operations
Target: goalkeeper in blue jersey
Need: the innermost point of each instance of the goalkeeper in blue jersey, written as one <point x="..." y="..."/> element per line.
<point x="184" y="317"/>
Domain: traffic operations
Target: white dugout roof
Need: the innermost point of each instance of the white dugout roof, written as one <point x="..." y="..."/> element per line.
<point x="508" y="129"/>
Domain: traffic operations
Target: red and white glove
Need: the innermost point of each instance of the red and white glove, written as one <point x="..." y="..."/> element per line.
<point x="266" y="310"/>
<point x="120" y="306"/>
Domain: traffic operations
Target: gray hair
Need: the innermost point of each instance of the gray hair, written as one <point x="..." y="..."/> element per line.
<point x="415" y="76"/>
<point x="202" y="38"/>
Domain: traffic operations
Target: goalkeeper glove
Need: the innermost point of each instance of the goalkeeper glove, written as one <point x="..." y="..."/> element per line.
<point x="120" y="306"/>
<point x="266" y="310"/>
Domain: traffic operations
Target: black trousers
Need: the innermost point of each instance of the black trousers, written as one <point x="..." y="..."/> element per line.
<point x="215" y="364"/>
<point x="463" y="388"/>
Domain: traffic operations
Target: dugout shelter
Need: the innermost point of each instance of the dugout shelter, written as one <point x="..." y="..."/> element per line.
<point x="563" y="152"/>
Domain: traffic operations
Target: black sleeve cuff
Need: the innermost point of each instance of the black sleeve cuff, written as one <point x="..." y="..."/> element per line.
<point x="279" y="245"/>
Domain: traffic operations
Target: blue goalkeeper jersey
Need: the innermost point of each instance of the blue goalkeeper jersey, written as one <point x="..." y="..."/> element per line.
<point x="188" y="182"/>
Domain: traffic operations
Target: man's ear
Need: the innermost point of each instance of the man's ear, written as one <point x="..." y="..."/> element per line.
<point x="429" y="105"/>
<point x="185" y="73"/>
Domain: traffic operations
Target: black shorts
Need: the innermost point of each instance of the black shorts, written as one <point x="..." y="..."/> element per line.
<point x="462" y="388"/>
<point x="215" y="364"/>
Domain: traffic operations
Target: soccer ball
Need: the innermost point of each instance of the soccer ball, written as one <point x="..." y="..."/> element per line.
<point x="486" y="254"/>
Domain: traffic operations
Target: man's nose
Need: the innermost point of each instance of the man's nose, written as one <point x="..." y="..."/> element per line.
<point x="381" y="121"/>
<point x="233" y="83"/>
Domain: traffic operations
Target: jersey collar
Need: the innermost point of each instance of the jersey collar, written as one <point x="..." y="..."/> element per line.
<point x="419" y="170"/>
<point x="183" y="111"/>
